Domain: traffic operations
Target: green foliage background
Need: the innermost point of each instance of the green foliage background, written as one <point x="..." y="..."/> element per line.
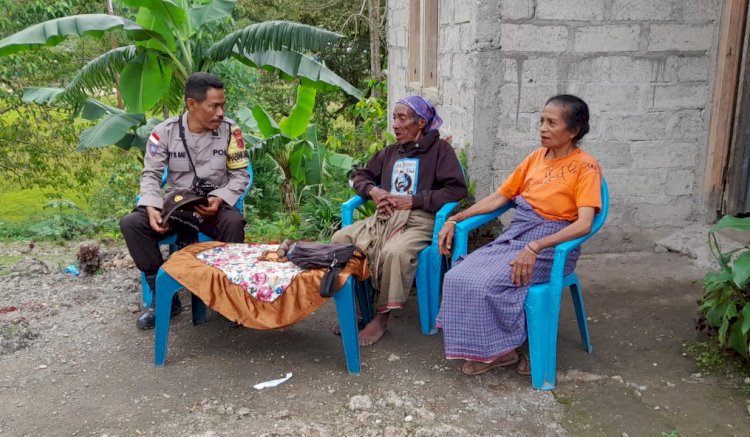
<point x="50" y="191"/>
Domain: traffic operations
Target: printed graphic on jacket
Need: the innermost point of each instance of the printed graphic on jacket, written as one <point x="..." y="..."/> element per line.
<point x="405" y="176"/>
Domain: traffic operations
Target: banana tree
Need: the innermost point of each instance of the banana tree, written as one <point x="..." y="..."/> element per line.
<point x="166" y="48"/>
<point x="292" y="144"/>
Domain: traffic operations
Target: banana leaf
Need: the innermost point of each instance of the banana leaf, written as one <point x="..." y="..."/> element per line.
<point x="139" y="137"/>
<point x="302" y="112"/>
<point x="110" y="130"/>
<point x="90" y="109"/>
<point x="271" y="35"/>
<point x="339" y="160"/>
<point x="148" y="20"/>
<point x="52" y="32"/>
<point x="300" y="150"/>
<point x="245" y="118"/>
<point x="290" y="65"/>
<point x="41" y="95"/>
<point x="168" y="10"/>
<point x="266" y="125"/>
<point x="144" y="81"/>
<point x="94" y="110"/>
<point x="98" y="74"/>
<point x="216" y="10"/>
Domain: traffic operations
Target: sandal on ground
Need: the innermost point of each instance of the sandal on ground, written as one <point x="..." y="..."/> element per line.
<point x="478" y="368"/>
<point x="524" y="365"/>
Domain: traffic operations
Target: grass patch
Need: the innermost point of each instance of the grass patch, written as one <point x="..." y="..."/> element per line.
<point x="7" y="262"/>
<point x="11" y="329"/>
<point x="25" y="205"/>
<point x="709" y="356"/>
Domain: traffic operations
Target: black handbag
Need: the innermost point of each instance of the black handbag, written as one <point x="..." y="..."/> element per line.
<point x="332" y="257"/>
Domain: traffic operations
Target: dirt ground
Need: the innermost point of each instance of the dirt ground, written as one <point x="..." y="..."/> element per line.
<point x="73" y="364"/>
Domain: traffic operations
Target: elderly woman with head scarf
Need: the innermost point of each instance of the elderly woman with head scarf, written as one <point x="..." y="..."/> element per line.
<point x="409" y="182"/>
<point x="557" y="191"/>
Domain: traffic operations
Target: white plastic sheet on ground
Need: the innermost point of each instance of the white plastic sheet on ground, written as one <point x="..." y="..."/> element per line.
<point x="273" y="383"/>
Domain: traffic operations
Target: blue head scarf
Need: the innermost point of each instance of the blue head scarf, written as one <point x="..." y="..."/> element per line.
<point x="424" y="110"/>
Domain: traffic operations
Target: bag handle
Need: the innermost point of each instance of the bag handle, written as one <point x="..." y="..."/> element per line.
<point x="328" y="283"/>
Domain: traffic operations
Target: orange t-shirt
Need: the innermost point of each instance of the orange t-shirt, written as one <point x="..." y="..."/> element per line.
<point x="556" y="188"/>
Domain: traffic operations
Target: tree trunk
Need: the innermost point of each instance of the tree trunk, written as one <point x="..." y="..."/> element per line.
<point x="373" y="15"/>
<point x="288" y="193"/>
<point x="110" y="11"/>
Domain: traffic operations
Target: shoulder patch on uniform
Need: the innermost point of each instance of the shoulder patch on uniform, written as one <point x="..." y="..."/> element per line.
<point x="237" y="134"/>
<point x="236" y="154"/>
<point x="153" y="143"/>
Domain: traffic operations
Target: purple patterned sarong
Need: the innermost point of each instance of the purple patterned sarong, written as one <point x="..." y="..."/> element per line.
<point x="482" y="314"/>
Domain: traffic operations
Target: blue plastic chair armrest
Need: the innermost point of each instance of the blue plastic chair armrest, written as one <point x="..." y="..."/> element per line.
<point x="240" y="204"/>
<point x="441" y="217"/>
<point x="461" y="233"/>
<point x="347" y="210"/>
<point x="561" y="255"/>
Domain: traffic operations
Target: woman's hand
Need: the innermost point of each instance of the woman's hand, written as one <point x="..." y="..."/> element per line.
<point x="523" y="267"/>
<point x="445" y="238"/>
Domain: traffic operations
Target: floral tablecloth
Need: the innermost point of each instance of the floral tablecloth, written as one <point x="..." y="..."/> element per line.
<point x="263" y="280"/>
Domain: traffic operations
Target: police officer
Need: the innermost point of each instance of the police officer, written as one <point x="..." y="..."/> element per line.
<point x="199" y="145"/>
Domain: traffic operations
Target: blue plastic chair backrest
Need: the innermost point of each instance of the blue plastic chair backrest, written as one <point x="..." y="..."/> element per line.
<point x="240" y="204"/>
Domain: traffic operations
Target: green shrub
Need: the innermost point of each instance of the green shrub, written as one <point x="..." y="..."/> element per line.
<point x="116" y="197"/>
<point x="726" y="299"/>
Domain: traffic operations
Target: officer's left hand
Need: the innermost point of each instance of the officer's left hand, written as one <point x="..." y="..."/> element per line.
<point x="214" y="203"/>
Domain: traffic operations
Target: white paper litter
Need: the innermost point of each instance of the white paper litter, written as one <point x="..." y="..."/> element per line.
<point x="272" y="383"/>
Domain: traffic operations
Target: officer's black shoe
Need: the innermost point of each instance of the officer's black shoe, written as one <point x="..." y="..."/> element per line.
<point x="146" y="320"/>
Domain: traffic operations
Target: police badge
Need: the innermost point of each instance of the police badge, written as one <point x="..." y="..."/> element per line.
<point x="153" y="144"/>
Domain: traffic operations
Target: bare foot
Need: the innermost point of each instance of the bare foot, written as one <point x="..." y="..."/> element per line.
<point x="360" y="325"/>
<point x="374" y="330"/>
<point x="524" y="366"/>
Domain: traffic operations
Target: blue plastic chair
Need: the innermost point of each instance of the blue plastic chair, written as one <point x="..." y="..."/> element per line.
<point x="430" y="269"/>
<point x="542" y="303"/>
<point x="167" y="286"/>
<point x="172" y="239"/>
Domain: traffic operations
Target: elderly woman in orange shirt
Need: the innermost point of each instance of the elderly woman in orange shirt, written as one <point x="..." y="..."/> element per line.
<point x="557" y="192"/>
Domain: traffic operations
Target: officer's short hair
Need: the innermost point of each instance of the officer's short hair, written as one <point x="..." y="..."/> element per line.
<point x="197" y="85"/>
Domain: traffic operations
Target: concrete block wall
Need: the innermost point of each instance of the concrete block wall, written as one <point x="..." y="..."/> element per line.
<point x="455" y="93"/>
<point x="398" y="50"/>
<point x="645" y="67"/>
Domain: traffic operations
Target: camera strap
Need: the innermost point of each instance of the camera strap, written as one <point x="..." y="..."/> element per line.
<point x="184" y="143"/>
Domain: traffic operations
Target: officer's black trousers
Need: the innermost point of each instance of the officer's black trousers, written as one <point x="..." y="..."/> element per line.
<point x="143" y="243"/>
